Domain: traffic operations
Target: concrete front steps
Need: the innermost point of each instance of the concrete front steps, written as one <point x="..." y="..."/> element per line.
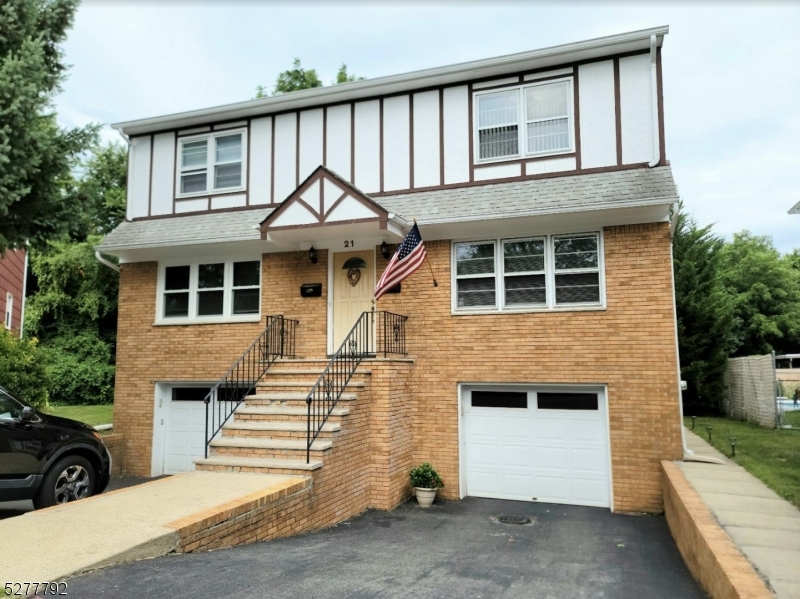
<point x="268" y="432"/>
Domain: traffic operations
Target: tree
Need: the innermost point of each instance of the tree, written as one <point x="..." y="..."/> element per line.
<point x="100" y="191"/>
<point x="766" y="291"/>
<point x="343" y="77"/>
<point x="298" y="78"/>
<point x="22" y="365"/>
<point x="705" y="314"/>
<point x="35" y="154"/>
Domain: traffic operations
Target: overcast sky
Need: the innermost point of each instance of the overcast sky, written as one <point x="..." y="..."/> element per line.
<point x="731" y="76"/>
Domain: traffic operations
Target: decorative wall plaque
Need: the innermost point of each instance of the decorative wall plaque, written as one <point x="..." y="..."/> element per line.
<point x="354" y="276"/>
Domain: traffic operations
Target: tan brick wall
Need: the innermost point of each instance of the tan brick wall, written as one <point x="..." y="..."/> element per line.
<point x="630" y="347"/>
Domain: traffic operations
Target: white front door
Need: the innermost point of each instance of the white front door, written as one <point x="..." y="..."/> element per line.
<point x="353" y="287"/>
<point x="546" y="444"/>
<point x="184" y="428"/>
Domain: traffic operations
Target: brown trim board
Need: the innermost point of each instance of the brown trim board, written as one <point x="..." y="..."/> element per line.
<point x="380" y="142"/>
<point x="272" y="166"/>
<point x="471" y="118"/>
<point x="441" y="137"/>
<point x="150" y="182"/>
<point x="617" y="111"/>
<point x="411" y="140"/>
<point x="325" y="136"/>
<point x="353" y="143"/>
<point x="247" y="187"/>
<point x="297" y="150"/>
<point x="174" y="173"/>
<point x="576" y="117"/>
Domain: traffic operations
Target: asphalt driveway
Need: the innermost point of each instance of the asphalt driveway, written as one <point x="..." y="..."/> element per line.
<point x="455" y="549"/>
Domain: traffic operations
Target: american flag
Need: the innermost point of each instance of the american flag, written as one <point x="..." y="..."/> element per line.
<point x="409" y="257"/>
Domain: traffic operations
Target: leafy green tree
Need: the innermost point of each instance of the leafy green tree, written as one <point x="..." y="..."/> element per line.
<point x="705" y="314"/>
<point x="36" y="156"/>
<point x="342" y="76"/>
<point x="100" y="192"/>
<point x="23" y="370"/>
<point x="766" y="291"/>
<point x="298" y="78"/>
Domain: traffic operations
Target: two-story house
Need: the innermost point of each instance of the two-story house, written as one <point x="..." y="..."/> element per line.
<point x="541" y="366"/>
<point x="13" y="277"/>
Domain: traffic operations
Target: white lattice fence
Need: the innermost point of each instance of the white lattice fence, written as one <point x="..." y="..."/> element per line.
<point x="750" y="390"/>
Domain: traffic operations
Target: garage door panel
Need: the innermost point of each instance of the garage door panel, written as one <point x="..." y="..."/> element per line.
<point x="185" y="435"/>
<point x="554" y="455"/>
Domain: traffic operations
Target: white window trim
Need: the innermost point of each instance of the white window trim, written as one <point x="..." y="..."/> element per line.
<point x="227" y="301"/>
<point x="8" y="319"/>
<point x="211" y="163"/>
<point x="522" y="122"/>
<point x="550" y="277"/>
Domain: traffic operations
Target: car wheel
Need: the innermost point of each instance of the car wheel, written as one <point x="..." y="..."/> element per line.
<point x="69" y="479"/>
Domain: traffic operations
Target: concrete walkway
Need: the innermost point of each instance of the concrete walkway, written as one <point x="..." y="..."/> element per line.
<point x="765" y="527"/>
<point x="119" y="526"/>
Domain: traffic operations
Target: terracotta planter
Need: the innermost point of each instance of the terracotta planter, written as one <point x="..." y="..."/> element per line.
<point x="425" y="497"/>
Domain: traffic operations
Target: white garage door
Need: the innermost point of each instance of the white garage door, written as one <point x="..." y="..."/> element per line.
<point x="548" y="445"/>
<point x="185" y="424"/>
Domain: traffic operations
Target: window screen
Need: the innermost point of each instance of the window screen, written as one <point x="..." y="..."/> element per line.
<point x="567" y="401"/>
<point x="577" y="269"/>
<point x="499" y="399"/>
<point x="475" y="275"/>
<point x="498" y="125"/>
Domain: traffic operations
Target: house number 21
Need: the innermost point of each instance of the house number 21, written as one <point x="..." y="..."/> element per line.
<point x="349" y="244"/>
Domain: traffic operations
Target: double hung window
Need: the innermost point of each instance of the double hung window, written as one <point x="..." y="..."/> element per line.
<point x="553" y="271"/>
<point x="211" y="163"/>
<point x="542" y="111"/>
<point x="210" y="291"/>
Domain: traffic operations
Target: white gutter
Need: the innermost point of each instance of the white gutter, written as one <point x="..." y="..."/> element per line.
<point x="488" y="67"/>
<point x="24" y="292"/>
<point x="102" y="260"/>
<point x="654" y="100"/>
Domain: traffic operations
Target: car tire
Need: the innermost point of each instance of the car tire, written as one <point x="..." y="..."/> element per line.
<point x="69" y="479"/>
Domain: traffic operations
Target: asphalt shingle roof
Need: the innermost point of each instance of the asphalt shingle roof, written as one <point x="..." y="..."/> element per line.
<point x="558" y="194"/>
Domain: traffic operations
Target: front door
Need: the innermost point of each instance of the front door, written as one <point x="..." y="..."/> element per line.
<point x="353" y="283"/>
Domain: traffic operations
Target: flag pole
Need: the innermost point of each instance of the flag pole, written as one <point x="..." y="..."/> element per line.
<point x="435" y="282"/>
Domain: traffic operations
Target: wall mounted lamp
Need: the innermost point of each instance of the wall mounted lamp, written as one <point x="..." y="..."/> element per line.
<point x="312" y="255"/>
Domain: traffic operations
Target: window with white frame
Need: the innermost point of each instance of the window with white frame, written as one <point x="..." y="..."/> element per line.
<point x="543" y="111"/>
<point x="211" y="163"/>
<point x="9" y="310"/>
<point x="553" y="271"/>
<point x="210" y="290"/>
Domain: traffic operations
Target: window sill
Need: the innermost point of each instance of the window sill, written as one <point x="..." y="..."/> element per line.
<point x="495" y="311"/>
<point x="214" y="192"/>
<point x="165" y="322"/>
<point x="490" y="161"/>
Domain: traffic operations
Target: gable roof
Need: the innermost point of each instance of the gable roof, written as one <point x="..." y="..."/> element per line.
<point x="438" y="76"/>
<point x="324" y="198"/>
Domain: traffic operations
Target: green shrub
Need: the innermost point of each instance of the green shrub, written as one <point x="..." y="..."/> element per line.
<point x="425" y="477"/>
<point x="80" y="369"/>
<point x="22" y="369"/>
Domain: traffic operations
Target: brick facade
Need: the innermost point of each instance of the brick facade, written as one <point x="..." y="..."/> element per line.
<point x="630" y="347"/>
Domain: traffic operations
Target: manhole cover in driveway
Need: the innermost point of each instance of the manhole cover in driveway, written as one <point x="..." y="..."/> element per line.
<point x="513" y="520"/>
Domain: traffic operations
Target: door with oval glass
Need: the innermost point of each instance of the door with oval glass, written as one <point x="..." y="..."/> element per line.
<point x="353" y="287"/>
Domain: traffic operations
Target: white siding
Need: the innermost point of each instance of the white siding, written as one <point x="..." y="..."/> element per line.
<point x="598" y="119"/>
<point x="426" y="139"/>
<point x="139" y="177"/>
<point x="338" y="140"/>
<point x="635" y="109"/>
<point x="310" y="141"/>
<point x="285" y="155"/>
<point x="555" y="165"/>
<point x="260" y="161"/>
<point x="162" y="191"/>
<point x="396" y="143"/>
<point x="228" y="201"/>
<point x="500" y="171"/>
<point x="493" y="82"/>
<point x="191" y="205"/>
<point x="367" y="145"/>
<point x="456" y="135"/>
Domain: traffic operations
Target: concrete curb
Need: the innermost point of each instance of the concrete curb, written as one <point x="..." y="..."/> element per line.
<point x="708" y="551"/>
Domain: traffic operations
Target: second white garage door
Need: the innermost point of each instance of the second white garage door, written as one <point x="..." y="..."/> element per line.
<point x="536" y="444"/>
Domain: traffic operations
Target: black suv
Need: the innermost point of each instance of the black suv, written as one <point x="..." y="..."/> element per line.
<point x="46" y="458"/>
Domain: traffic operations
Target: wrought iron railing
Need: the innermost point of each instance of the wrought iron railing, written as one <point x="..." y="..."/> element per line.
<point x="277" y="340"/>
<point x="373" y="333"/>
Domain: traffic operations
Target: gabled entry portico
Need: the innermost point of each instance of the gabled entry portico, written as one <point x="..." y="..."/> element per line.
<point x="327" y="212"/>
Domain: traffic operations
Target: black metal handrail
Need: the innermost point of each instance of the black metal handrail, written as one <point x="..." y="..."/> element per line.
<point x="373" y="333"/>
<point x="277" y="340"/>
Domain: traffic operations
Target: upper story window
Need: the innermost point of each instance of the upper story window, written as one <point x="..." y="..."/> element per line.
<point x="211" y="163"/>
<point x="209" y="291"/>
<point x="554" y="271"/>
<point x="529" y="120"/>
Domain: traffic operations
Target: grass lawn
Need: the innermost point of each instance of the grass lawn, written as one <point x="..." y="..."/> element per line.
<point x="92" y="415"/>
<point x="771" y="455"/>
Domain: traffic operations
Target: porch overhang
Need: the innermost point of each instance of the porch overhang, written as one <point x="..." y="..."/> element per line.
<point x="326" y="209"/>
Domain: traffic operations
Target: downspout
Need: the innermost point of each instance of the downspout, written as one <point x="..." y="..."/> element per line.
<point x="102" y="260"/>
<point x="654" y="100"/>
<point x="672" y="224"/>
<point x="24" y="291"/>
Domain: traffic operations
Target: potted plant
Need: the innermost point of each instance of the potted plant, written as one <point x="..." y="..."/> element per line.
<point x="425" y="481"/>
